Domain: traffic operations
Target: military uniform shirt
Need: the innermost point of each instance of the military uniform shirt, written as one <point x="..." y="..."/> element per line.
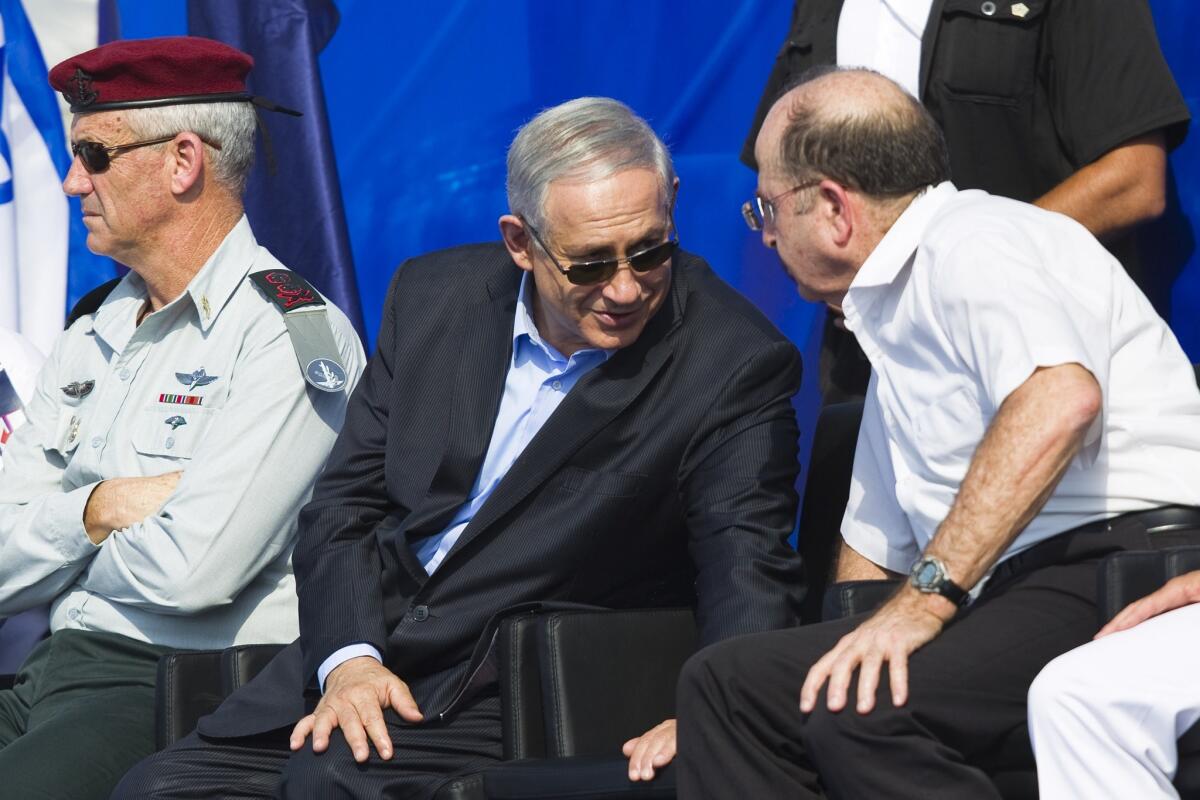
<point x="208" y="385"/>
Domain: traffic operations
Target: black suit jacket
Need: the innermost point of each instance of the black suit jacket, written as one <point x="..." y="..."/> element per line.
<point x="665" y="477"/>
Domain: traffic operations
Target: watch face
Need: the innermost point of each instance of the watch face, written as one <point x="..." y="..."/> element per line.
<point x="926" y="575"/>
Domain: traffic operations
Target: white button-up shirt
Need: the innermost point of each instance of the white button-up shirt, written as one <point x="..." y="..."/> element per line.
<point x="966" y="295"/>
<point x="884" y="35"/>
<point x="209" y="385"/>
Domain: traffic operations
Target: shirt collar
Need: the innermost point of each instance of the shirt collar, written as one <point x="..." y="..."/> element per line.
<point x="224" y="271"/>
<point x="902" y="239"/>
<point x="525" y="330"/>
<point x="209" y="290"/>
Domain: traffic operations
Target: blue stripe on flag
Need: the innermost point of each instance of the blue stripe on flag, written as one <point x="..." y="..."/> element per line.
<point x="28" y="72"/>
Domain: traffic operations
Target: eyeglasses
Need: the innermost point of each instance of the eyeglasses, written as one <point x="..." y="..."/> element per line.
<point x="585" y="273"/>
<point x="97" y="157"/>
<point x="760" y="212"/>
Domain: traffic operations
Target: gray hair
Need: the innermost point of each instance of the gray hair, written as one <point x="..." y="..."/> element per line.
<point x="231" y="125"/>
<point x="589" y="138"/>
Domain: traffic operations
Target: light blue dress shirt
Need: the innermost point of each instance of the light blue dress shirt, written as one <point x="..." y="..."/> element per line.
<point x="538" y="379"/>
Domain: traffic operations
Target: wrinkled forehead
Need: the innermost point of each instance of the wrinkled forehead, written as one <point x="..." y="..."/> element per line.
<point x="626" y="202"/>
<point x="99" y="126"/>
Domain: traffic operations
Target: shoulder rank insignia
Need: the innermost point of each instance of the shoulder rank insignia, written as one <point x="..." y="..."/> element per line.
<point x="286" y="289"/>
<point x="307" y="319"/>
<point x="77" y="389"/>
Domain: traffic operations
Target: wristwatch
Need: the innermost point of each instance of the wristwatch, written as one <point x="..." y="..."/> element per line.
<point x="928" y="575"/>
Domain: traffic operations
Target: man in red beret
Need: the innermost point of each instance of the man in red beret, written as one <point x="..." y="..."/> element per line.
<point x="151" y="499"/>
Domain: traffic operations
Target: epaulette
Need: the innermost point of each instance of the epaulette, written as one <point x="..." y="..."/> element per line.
<point x="307" y="321"/>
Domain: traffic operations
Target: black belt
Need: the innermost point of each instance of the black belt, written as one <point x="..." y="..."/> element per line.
<point x="1153" y="520"/>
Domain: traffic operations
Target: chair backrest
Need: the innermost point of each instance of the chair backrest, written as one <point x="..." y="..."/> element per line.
<point x="579" y="683"/>
<point x="826" y="491"/>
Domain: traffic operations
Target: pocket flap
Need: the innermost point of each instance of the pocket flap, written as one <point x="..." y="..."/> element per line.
<point x="169" y="431"/>
<point x="999" y="10"/>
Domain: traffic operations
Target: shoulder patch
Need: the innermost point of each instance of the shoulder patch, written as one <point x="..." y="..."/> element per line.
<point x="286" y="289"/>
<point x="307" y="320"/>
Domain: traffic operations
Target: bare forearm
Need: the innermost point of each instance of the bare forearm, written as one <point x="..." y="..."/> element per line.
<point x="852" y="566"/>
<point x="1038" y="430"/>
<point x="1124" y="187"/>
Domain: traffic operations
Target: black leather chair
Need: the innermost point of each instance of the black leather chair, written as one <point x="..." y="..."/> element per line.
<point x="574" y="686"/>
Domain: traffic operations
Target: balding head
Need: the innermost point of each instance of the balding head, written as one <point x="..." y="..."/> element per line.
<point x="857" y="128"/>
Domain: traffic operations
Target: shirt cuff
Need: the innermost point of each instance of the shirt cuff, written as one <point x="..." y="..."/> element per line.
<point x="341" y="656"/>
<point x="62" y="519"/>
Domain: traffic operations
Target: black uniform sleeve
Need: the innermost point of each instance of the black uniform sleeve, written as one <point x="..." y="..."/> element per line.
<point x="1109" y="81"/>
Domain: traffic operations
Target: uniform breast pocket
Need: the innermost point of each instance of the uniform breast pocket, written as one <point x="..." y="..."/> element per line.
<point x="988" y="49"/>
<point x="166" y="432"/>
<point x="948" y="432"/>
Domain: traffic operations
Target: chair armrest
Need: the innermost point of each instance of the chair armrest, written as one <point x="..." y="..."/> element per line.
<point x="847" y="598"/>
<point x="188" y="687"/>
<point x="241" y="663"/>
<point x="601" y="676"/>
<point x="1132" y="574"/>
<point x="7" y="681"/>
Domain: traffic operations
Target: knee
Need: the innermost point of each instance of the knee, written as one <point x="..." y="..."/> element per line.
<point x="150" y="778"/>
<point x="707" y="678"/>
<point x="318" y="775"/>
<point x="1055" y="688"/>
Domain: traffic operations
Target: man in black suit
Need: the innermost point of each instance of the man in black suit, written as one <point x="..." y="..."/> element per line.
<point x="583" y="414"/>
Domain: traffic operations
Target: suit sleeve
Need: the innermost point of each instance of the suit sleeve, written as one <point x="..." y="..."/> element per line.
<point x="738" y="489"/>
<point x="337" y="565"/>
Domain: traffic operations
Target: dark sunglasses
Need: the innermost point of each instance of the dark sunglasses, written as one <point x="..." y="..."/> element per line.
<point x="585" y="273"/>
<point x="97" y="157"/>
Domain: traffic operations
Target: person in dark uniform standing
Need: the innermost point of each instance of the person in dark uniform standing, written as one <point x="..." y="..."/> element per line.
<point x="1067" y="104"/>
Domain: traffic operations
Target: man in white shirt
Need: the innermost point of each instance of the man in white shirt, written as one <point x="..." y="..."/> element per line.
<point x="151" y="498"/>
<point x="1028" y="413"/>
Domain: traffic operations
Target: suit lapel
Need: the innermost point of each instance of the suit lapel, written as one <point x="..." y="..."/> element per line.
<point x="484" y="358"/>
<point x="599" y="397"/>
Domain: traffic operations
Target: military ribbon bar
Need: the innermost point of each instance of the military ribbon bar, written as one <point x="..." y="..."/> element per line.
<point x="181" y="399"/>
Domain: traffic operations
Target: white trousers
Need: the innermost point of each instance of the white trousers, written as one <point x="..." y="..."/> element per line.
<point x="1104" y="718"/>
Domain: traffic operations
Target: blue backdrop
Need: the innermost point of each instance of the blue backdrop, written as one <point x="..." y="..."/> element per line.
<point x="423" y="99"/>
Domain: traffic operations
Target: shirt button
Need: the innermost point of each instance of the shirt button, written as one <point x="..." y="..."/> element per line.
<point x="988" y="8"/>
<point x="420" y="613"/>
<point x="124" y="374"/>
<point x="170" y="442"/>
<point x="73" y="614"/>
<point x="557" y="386"/>
<point x="97" y="441"/>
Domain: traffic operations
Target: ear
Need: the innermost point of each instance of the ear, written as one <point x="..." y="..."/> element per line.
<point x="186" y="163"/>
<point x="517" y="241"/>
<point x="837" y="211"/>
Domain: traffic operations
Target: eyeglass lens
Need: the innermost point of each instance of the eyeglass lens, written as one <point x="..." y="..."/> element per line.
<point x="597" y="271"/>
<point x="93" y="155"/>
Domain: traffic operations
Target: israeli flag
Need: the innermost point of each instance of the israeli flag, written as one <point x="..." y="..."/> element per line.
<point x="41" y="231"/>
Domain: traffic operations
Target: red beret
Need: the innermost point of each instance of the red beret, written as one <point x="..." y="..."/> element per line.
<point x="141" y="73"/>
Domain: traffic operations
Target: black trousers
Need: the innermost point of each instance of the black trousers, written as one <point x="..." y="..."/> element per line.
<point x="80" y="713"/>
<point x="424" y="757"/>
<point x="741" y="733"/>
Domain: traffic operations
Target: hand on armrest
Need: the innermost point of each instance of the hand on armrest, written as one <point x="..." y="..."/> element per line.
<point x="654" y="748"/>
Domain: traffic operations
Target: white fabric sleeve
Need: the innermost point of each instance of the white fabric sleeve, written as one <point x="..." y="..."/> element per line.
<point x="341" y="656"/>
<point x="1006" y="314"/>
<point x="43" y="544"/>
